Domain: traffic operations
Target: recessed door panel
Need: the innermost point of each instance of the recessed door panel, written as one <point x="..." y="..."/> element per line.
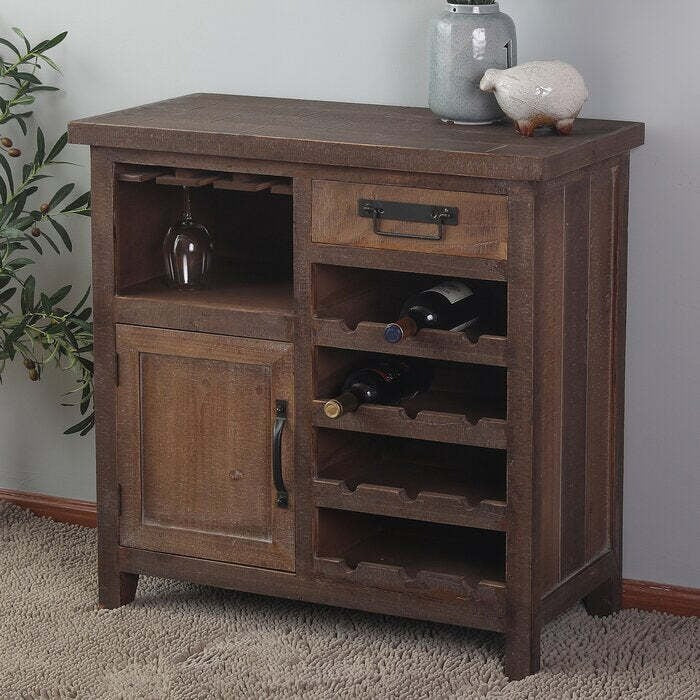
<point x="196" y="420"/>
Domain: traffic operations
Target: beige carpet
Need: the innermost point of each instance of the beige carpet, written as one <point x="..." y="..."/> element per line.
<point x="183" y="641"/>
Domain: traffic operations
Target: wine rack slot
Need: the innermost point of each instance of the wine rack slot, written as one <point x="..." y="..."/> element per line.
<point x="410" y="556"/>
<point x="353" y="306"/>
<point x="413" y="479"/>
<point x="466" y="404"/>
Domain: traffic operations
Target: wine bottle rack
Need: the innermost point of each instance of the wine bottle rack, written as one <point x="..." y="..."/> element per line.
<point x="493" y="499"/>
<point x="419" y="480"/>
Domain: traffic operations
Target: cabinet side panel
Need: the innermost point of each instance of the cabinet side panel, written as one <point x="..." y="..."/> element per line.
<point x="575" y="373"/>
<point x="548" y="325"/>
<point x="102" y="185"/>
<point x="601" y="281"/>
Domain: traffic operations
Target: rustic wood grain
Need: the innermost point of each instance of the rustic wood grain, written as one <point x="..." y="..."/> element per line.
<point x="575" y="373"/>
<point x="522" y="649"/>
<point x="194" y="434"/>
<point x="481" y="230"/>
<point x="297" y="300"/>
<point x="549" y="368"/>
<point x="357" y="135"/>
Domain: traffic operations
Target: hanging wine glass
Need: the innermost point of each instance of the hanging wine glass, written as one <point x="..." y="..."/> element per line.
<point x="187" y="250"/>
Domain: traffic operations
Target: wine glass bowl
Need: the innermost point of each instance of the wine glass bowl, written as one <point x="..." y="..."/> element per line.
<point x="187" y="250"/>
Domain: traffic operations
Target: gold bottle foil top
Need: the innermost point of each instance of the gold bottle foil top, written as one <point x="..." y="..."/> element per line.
<point x="333" y="408"/>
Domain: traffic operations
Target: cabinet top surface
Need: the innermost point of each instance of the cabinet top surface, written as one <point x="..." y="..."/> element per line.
<point x="354" y="135"/>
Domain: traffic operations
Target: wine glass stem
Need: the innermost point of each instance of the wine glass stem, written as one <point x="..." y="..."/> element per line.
<point x="187" y="204"/>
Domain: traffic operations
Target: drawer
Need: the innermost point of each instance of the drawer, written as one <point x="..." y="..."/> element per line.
<point x="477" y="227"/>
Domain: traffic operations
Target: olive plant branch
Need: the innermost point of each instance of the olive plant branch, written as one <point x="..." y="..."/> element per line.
<point x="40" y="332"/>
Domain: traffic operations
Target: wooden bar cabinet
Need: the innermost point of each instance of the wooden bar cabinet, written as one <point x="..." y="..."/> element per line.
<point x="491" y="501"/>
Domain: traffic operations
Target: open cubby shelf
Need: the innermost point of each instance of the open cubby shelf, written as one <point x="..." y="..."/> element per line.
<point x="251" y="281"/>
<point x="408" y="555"/>
<point x="353" y="306"/>
<point x="411" y="479"/>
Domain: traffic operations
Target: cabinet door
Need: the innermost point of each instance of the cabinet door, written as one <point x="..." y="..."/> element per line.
<point x="196" y="423"/>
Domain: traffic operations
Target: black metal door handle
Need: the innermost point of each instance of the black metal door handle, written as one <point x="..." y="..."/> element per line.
<point x="280" y="420"/>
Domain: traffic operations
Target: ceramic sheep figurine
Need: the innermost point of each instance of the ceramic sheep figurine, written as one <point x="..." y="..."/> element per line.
<point x="539" y="93"/>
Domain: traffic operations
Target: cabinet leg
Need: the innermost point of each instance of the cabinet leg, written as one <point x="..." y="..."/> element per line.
<point x="606" y="599"/>
<point x="118" y="589"/>
<point x="522" y="653"/>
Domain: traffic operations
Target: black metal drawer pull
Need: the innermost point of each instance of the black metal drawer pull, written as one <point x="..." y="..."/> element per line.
<point x="280" y="420"/>
<point x="400" y="211"/>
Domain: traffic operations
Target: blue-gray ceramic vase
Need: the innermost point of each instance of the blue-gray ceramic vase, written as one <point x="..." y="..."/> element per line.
<point x="467" y="40"/>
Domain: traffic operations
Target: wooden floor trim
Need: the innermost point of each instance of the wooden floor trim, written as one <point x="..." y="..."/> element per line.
<point x="644" y="595"/>
<point x="63" y="510"/>
<point x="661" y="597"/>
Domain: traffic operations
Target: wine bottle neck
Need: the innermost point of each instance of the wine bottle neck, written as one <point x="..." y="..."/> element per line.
<point x="403" y="328"/>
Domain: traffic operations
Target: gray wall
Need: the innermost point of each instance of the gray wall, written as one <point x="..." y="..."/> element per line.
<point x="636" y="56"/>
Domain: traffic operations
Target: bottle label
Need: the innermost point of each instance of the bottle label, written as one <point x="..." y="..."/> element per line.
<point x="453" y="290"/>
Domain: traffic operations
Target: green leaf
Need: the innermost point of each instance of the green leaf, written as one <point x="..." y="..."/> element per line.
<point x="11" y="46"/>
<point x="40" y="147"/>
<point x="83" y="427"/>
<point x="88" y="364"/>
<point x="37" y="247"/>
<point x="19" y="263"/>
<point x="20" y="34"/>
<point x="60" y="295"/>
<point x="49" y="43"/>
<point x="22" y="124"/>
<point x="61" y="194"/>
<point x="7" y="295"/>
<point x="3" y="191"/>
<point x="48" y="60"/>
<point x="61" y="231"/>
<point x="12" y="233"/>
<point x="24" y="223"/>
<point x="49" y="240"/>
<point x="25" y="77"/>
<point x="27" y="298"/>
<point x="79" y="305"/>
<point x="71" y="338"/>
<point x="44" y="88"/>
<point x="57" y="147"/>
<point x="8" y="171"/>
<point x="21" y="200"/>
<point x="81" y="201"/>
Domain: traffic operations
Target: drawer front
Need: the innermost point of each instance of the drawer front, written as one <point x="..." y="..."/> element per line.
<point x="478" y="228"/>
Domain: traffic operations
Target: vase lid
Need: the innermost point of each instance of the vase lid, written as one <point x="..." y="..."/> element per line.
<point x="486" y="9"/>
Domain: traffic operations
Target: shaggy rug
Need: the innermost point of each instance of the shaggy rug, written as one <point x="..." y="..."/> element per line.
<point x="183" y="641"/>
